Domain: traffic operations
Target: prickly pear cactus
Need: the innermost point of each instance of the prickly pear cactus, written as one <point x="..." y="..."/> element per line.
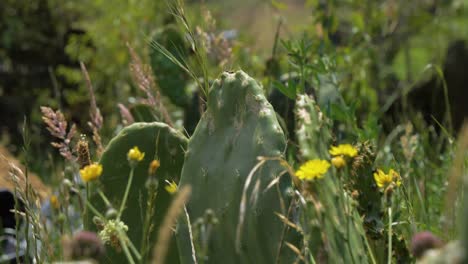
<point x="171" y="79"/>
<point x="143" y="113"/>
<point x="156" y="140"/>
<point x="335" y="229"/>
<point x="238" y="126"/>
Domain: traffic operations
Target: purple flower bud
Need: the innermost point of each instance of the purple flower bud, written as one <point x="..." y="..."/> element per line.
<point x="423" y="241"/>
<point x="86" y="245"/>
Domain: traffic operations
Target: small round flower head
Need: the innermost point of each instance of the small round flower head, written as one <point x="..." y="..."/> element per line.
<point x="344" y="150"/>
<point x="86" y="245"/>
<point x="91" y="172"/>
<point x="313" y="169"/>
<point x="423" y="241"/>
<point x="339" y="162"/>
<point x="171" y="187"/>
<point x="135" y="155"/>
<point x="110" y="232"/>
<point x="154" y="165"/>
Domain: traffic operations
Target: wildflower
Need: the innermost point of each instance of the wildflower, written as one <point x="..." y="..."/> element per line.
<point x="111" y="232"/>
<point x="422" y="242"/>
<point x="396" y="177"/>
<point x="171" y="187"/>
<point x="344" y="150"/>
<point x="135" y="155"/>
<point x="154" y="165"/>
<point x="54" y="202"/>
<point x="313" y="169"/>
<point x="84" y="245"/>
<point x="338" y="162"/>
<point x="383" y="180"/>
<point x="91" y="172"/>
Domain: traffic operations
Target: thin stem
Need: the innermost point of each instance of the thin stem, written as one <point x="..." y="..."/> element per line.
<point x="152" y="194"/>
<point x="125" y="249"/>
<point x="369" y="249"/>
<point x="134" y="250"/>
<point x="94" y="210"/>
<point x="347" y="213"/>
<point x="104" y="198"/>
<point x="390" y="232"/>
<point x="127" y="190"/>
<point x="85" y="211"/>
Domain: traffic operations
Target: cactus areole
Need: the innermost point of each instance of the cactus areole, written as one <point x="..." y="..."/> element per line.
<point x="238" y="126"/>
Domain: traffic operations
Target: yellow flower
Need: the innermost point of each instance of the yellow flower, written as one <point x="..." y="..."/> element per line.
<point x="91" y="172"/>
<point x="396" y="177"/>
<point x="313" y="169"/>
<point x="54" y="202"/>
<point x="154" y="165"/>
<point x="171" y="187"/>
<point x="383" y="180"/>
<point x="338" y="162"/>
<point x="135" y="155"/>
<point x="343" y="150"/>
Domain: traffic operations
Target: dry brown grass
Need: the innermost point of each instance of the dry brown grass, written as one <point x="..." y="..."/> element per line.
<point x="6" y="181"/>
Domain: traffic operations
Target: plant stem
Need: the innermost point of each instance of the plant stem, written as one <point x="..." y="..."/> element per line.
<point x="390" y="232"/>
<point x="94" y="210"/>
<point x="369" y="249"/>
<point x="85" y="212"/>
<point x="104" y="198"/>
<point x="134" y="250"/>
<point x="152" y="194"/>
<point x="127" y="190"/>
<point x="125" y="249"/>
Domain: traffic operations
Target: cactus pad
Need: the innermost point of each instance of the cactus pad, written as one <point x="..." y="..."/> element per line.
<point x="238" y="126"/>
<point x="157" y="141"/>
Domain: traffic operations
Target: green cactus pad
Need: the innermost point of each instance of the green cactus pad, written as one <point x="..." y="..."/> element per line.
<point x="238" y="126"/>
<point x="143" y="113"/>
<point x="338" y="230"/>
<point x="171" y="79"/>
<point x="157" y="141"/>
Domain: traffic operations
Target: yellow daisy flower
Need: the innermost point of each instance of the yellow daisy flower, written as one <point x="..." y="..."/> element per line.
<point x="344" y="150"/>
<point x="135" y="155"/>
<point x="91" y="172"/>
<point x="383" y="179"/>
<point x="313" y="169"/>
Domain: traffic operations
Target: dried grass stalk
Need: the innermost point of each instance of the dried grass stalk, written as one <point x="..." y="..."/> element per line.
<point x="94" y="113"/>
<point x="142" y="76"/>
<point x="57" y="126"/>
<point x="164" y="236"/>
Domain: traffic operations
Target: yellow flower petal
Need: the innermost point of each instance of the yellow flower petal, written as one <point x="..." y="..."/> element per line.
<point x="313" y="169"/>
<point x="344" y="150"/>
<point x="135" y="155"/>
<point x="338" y="162"/>
<point x="383" y="180"/>
<point x="91" y="172"/>
<point x="171" y="187"/>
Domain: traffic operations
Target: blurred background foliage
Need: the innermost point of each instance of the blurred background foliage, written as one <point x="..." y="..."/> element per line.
<point x="376" y="53"/>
